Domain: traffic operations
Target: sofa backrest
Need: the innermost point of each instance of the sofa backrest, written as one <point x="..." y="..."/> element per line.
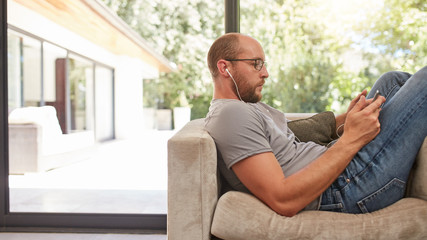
<point x="43" y="116"/>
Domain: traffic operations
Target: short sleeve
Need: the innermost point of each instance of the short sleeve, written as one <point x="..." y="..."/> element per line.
<point x="238" y="132"/>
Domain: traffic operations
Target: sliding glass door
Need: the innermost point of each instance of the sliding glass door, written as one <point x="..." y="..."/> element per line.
<point x="61" y="165"/>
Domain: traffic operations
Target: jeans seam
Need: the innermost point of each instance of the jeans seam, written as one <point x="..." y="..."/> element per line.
<point x="391" y="90"/>
<point x="393" y="182"/>
<point x="401" y="123"/>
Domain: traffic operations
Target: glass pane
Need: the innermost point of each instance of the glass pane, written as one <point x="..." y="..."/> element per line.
<point x="322" y="53"/>
<point x="14" y="71"/>
<point x="51" y="54"/>
<point x="24" y="69"/>
<point x="80" y="77"/>
<point x="31" y="71"/>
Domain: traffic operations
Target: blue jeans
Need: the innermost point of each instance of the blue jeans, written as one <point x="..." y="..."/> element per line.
<point x="377" y="175"/>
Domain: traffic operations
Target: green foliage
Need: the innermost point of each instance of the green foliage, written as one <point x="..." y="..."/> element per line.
<point x="398" y="31"/>
<point x="320" y="53"/>
<point x="302" y="55"/>
<point x="182" y="31"/>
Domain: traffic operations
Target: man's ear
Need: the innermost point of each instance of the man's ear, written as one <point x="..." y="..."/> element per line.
<point x="222" y="65"/>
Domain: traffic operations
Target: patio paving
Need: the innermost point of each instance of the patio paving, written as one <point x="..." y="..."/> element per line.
<point x="120" y="176"/>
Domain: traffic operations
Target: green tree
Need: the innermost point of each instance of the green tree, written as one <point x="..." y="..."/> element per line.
<point x="388" y="35"/>
<point x="182" y="31"/>
<point x="301" y="52"/>
<point x="398" y="32"/>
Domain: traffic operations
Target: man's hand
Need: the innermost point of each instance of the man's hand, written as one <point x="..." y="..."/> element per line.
<point x="340" y="119"/>
<point x="361" y="124"/>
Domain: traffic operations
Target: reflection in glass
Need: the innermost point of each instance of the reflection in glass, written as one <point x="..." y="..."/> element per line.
<point x="50" y="54"/>
<point x="81" y="93"/>
<point x="24" y="71"/>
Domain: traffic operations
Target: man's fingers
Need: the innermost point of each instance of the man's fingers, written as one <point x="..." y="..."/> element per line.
<point x="361" y="104"/>
<point x="363" y="93"/>
<point x="375" y="105"/>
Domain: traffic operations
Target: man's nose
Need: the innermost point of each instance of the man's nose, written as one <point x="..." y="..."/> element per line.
<point x="264" y="72"/>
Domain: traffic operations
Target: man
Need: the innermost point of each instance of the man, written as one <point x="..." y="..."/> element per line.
<point x="366" y="169"/>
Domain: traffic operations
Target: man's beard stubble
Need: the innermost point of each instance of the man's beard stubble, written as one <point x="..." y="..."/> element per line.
<point x="247" y="92"/>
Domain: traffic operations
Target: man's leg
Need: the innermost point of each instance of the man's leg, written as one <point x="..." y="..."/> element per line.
<point x="377" y="175"/>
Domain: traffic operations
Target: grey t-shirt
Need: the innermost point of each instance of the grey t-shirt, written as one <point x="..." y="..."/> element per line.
<point x="241" y="130"/>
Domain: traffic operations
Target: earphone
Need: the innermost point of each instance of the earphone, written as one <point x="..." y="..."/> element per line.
<point x="235" y="84"/>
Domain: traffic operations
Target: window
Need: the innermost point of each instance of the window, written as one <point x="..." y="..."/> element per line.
<point x="50" y="54"/>
<point x="80" y="74"/>
<point x="32" y="81"/>
<point x="24" y="71"/>
<point x="322" y="53"/>
<point x="14" y="71"/>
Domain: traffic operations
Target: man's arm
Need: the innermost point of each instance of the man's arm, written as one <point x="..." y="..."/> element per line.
<point x="263" y="176"/>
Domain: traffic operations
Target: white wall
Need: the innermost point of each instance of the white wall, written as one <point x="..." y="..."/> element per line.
<point x="129" y="72"/>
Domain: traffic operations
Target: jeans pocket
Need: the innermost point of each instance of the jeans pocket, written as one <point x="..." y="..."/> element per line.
<point x="335" y="206"/>
<point x="332" y="207"/>
<point x="390" y="193"/>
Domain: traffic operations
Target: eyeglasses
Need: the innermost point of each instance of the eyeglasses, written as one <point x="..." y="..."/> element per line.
<point x="258" y="63"/>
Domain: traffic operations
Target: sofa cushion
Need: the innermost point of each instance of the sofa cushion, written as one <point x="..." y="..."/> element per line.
<point x="242" y="216"/>
<point x="319" y="128"/>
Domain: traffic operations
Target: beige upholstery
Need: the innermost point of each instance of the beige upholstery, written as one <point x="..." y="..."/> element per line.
<point x="194" y="211"/>
<point x="36" y="142"/>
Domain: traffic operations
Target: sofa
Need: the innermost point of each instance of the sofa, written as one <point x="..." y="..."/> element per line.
<point x="36" y="141"/>
<point x="200" y="207"/>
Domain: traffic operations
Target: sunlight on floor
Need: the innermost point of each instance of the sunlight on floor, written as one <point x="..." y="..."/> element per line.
<point x="130" y="173"/>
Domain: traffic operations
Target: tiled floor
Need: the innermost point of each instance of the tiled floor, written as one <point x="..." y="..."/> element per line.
<point x="78" y="236"/>
<point x="122" y="176"/>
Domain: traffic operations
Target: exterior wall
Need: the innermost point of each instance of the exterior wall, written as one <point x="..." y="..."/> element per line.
<point x="129" y="71"/>
<point x="129" y="74"/>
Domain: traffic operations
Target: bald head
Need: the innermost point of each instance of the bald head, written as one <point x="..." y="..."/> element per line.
<point x="228" y="46"/>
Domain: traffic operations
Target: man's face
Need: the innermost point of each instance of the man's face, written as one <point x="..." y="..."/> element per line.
<point x="250" y="80"/>
<point x="249" y="87"/>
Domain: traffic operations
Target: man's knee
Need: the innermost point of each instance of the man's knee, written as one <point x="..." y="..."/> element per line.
<point x="424" y="69"/>
<point x="398" y="76"/>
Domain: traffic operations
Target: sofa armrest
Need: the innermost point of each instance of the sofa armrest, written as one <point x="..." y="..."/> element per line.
<point x="192" y="182"/>
<point x="417" y="186"/>
<point x="24" y="148"/>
